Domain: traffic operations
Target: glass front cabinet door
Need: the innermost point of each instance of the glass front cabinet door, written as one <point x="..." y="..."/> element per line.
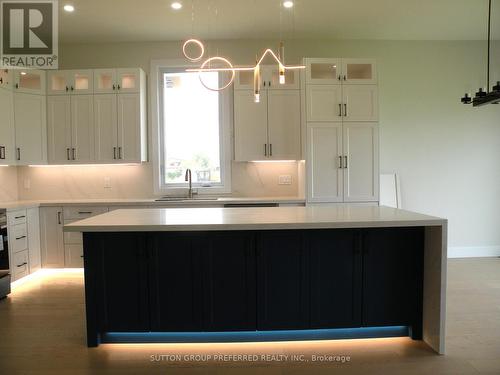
<point x="340" y="71"/>
<point x="29" y="81"/>
<point x="359" y="71"/>
<point x="63" y="82"/>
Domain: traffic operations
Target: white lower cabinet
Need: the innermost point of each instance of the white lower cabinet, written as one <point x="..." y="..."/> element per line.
<point x="31" y="130"/>
<point x="24" y="242"/>
<point x="51" y="235"/>
<point x="342" y="162"/>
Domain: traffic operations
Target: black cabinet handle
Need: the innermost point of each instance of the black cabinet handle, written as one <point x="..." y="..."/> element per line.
<point x="18" y="153"/>
<point x="22" y="264"/>
<point x="119" y="152"/>
<point x="20" y="238"/>
<point x="114" y="87"/>
<point x="345" y="109"/>
<point x="59" y="218"/>
<point x="81" y="256"/>
<point x="66" y="88"/>
<point x="340" y="162"/>
<point x="17" y="85"/>
<point x="340" y="110"/>
<point x="114" y="153"/>
<point x="118" y="87"/>
<point x="74" y="154"/>
<point x="84" y="212"/>
<point x="67" y="153"/>
<point x="345" y="161"/>
<point x="270" y="149"/>
<point x="2" y="152"/>
<point x="72" y="88"/>
<point x="345" y="77"/>
<point x="1" y="80"/>
<point x="20" y="217"/>
<point x="265" y="149"/>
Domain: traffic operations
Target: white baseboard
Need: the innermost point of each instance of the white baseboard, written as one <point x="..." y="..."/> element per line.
<point x="473" y="251"/>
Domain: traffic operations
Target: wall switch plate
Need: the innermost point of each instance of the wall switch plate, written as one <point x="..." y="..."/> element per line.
<point x="27" y="183"/>
<point x="285" y="180"/>
<point x="107" y="182"/>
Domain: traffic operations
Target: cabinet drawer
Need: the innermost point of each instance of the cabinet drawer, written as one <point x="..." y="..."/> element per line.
<point x="20" y="267"/>
<point x="17" y="217"/>
<point x="73" y="256"/>
<point x="82" y="212"/>
<point x="18" y="236"/>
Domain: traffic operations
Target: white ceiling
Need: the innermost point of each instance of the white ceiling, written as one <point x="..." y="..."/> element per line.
<point x="154" y="20"/>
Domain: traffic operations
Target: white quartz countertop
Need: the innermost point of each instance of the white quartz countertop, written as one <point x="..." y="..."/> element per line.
<point x="261" y="218"/>
<point x="199" y="201"/>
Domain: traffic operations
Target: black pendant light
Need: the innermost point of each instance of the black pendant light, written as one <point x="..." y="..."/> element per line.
<point x="485" y="97"/>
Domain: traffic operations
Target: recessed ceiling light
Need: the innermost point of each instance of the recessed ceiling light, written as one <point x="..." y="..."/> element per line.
<point x="69" y="8"/>
<point x="176" y="5"/>
<point x="288" y="4"/>
<point x="23" y="73"/>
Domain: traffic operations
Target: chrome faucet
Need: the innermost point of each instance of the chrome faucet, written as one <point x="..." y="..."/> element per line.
<point x="188" y="178"/>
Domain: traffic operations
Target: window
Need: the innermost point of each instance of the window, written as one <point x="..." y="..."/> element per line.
<point x="193" y="131"/>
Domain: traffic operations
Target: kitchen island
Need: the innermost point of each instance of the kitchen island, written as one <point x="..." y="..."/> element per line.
<point x="201" y="274"/>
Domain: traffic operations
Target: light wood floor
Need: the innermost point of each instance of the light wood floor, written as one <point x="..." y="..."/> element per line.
<point x="42" y="332"/>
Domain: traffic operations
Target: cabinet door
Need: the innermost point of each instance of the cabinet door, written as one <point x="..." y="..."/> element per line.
<point x="282" y="281"/>
<point x="128" y="80"/>
<point x="129" y="128"/>
<point x="323" y="71"/>
<point x="58" y="82"/>
<point x="59" y="129"/>
<point x="104" y="81"/>
<point x="335" y="269"/>
<point x="359" y="71"/>
<point x="31" y="128"/>
<point x="81" y="81"/>
<point x="324" y="164"/>
<point x="361" y="162"/>
<point x="360" y="103"/>
<point x="284" y="124"/>
<point x="229" y="285"/>
<point x="30" y="81"/>
<point x="324" y="103"/>
<point x="105" y="121"/>
<point x="7" y="130"/>
<point x="6" y="79"/>
<point x="243" y="80"/>
<point x="392" y="276"/>
<point x="51" y="235"/>
<point x="33" y="222"/>
<point x="19" y="265"/>
<point x="250" y="126"/>
<point x="122" y="288"/>
<point x="73" y="255"/>
<point x="176" y="283"/>
<point x="82" y="128"/>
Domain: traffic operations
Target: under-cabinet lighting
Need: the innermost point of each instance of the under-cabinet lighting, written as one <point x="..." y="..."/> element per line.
<point x="69" y="8"/>
<point x="81" y="165"/>
<point x="176" y="5"/>
<point x="274" y="161"/>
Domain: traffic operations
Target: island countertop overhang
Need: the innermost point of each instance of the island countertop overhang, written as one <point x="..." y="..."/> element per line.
<point x="258" y="218"/>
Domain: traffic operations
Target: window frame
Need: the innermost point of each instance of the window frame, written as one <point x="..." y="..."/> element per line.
<point x="158" y="67"/>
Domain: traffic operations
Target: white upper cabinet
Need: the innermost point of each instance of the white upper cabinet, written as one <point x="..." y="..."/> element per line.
<point x="283" y="112"/>
<point x="250" y="126"/>
<point x="359" y="71"/>
<point x="31" y="128"/>
<point x="129" y="133"/>
<point x="324" y="103"/>
<point x="360" y="103"/>
<point x="62" y="82"/>
<point x="269" y="79"/>
<point x="59" y="129"/>
<point x="340" y="71"/>
<point x="361" y="162"/>
<point x="6" y="79"/>
<point x="324" y="162"/>
<point x="82" y="128"/>
<point x="29" y="81"/>
<point x="323" y="71"/>
<point x="123" y="80"/>
<point x="106" y="128"/>
<point x="7" y="129"/>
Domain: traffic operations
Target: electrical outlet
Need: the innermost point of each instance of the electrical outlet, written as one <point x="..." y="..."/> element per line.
<point x="27" y="183"/>
<point x="107" y="182"/>
<point x="285" y="180"/>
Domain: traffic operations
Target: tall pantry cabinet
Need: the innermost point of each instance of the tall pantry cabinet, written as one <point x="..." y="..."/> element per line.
<point x="342" y="139"/>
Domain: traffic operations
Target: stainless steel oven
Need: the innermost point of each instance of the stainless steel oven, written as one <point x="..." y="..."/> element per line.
<point x="4" y="256"/>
